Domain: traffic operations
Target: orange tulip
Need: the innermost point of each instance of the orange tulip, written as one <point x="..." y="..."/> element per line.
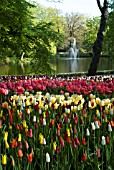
<point x="20" y="153"/>
<point x="13" y="143"/>
<point x="30" y="157"/>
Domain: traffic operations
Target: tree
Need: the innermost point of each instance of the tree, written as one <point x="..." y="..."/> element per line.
<point x="74" y="28"/>
<point x="14" y="21"/>
<point x="91" y="30"/>
<point x="97" y="47"/>
<point x="109" y="37"/>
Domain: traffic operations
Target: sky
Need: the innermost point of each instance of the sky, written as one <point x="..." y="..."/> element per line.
<point x="87" y="7"/>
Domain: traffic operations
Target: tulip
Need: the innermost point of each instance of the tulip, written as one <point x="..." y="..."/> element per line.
<point x="44" y="141"/>
<point x="98" y="153"/>
<point x="103" y="141"/>
<point x="57" y="149"/>
<point x="107" y="139"/>
<point x="84" y="157"/>
<point x="26" y="145"/>
<point x="30" y="134"/>
<point x="109" y="127"/>
<point x="58" y="132"/>
<point x="47" y="157"/>
<point x="73" y="143"/>
<point x="30" y="157"/>
<point x="4" y="159"/>
<point x="20" y="153"/>
<point x="24" y="124"/>
<point x="93" y="126"/>
<point x="5" y="136"/>
<point x="68" y="132"/>
<point x="62" y="143"/>
<point x="44" y="121"/>
<point x="19" y="137"/>
<point x="34" y="118"/>
<point x="83" y="141"/>
<point x="75" y="120"/>
<point x="7" y="145"/>
<point x="13" y="143"/>
<point x="77" y="141"/>
<point x="54" y="145"/>
<point x="87" y="132"/>
<point x="26" y="132"/>
<point x="20" y="145"/>
<point x="41" y="138"/>
<point x="96" y="125"/>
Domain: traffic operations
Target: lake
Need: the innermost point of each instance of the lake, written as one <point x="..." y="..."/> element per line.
<point x="61" y="65"/>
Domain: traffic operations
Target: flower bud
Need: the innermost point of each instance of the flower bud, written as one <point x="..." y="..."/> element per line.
<point x="87" y="132"/>
<point x="109" y="127"/>
<point x="4" y="159"/>
<point x="47" y="157"/>
<point x="34" y="118"/>
<point x="44" y="121"/>
<point x="93" y="126"/>
<point x="103" y="141"/>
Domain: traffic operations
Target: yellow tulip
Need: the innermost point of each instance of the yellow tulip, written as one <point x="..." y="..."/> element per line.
<point x="10" y="127"/>
<point x="7" y="145"/>
<point x="68" y="132"/>
<point x="1" y="113"/>
<point x="5" y="136"/>
<point x="54" y="145"/>
<point x="4" y="159"/>
<point x="24" y="124"/>
<point x="41" y="138"/>
<point x="19" y="137"/>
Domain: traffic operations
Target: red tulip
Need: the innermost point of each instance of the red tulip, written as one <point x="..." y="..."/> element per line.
<point x="77" y="141"/>
<point x="57" y="149"/>
<point x="84" y="157"/>
<point x="83" y="141"/>
<point x="107" y="139"/>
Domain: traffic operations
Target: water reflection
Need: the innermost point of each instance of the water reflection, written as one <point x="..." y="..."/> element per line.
<point x="61" y="65"/>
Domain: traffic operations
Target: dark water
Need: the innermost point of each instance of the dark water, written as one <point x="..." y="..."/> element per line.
<point x="61" y="65"/>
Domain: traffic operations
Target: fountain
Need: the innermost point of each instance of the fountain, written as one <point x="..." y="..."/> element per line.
<point x="73" y="51"/>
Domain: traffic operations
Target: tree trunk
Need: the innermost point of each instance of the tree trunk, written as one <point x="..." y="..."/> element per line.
<point x="97" y="47"/>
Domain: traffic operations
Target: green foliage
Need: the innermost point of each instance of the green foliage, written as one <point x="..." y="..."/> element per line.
<point x="91" y="29"/>
<point x="109" y="37"/>
<point x="20" y="35"/>
<point x="13" y="26"/>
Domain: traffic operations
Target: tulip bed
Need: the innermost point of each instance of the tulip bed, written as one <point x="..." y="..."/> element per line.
<point x="52" y="123"/>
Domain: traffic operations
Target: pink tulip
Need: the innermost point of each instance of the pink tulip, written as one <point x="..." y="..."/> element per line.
<point x="30" y="134"/>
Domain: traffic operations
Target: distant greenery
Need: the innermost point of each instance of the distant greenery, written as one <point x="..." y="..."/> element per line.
<point x="29" y="30"/>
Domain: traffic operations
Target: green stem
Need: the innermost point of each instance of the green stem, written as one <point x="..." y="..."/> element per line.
<point x="102" y="157"/>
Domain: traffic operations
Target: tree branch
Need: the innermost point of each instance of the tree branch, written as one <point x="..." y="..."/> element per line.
<point x="99" y="5"/>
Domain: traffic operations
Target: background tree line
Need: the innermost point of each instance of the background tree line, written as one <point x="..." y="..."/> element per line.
<point x="33" y="31"/>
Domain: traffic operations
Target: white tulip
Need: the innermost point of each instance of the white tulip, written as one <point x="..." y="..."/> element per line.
<point x="44" y="121"/>
<point x="44" y="141"/>
<point x="34" y="118"/>
<point x="109" y="128"/>
<point x="87" y="132"/>
<point x="96" y="124"/>
<point x="93" y="126"/>
<point x="47" y="157"/>
<point x="103" y="141"/>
